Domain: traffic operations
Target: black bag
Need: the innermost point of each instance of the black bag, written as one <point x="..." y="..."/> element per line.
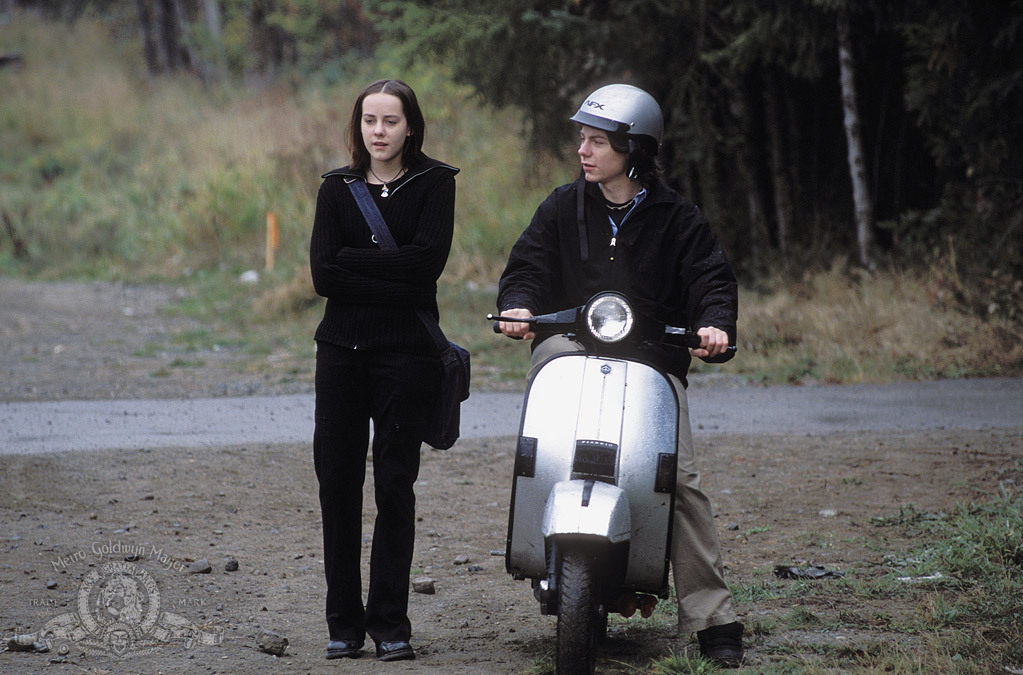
<point x="444" y="425"/>
<point x="443" y="428"/>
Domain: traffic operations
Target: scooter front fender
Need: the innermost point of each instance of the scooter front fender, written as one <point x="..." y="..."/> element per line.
<point x="587" y="507"/>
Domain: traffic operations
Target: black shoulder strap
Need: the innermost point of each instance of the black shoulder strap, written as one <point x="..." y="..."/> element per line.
<point x="433" y="328"/>
<point x="382" y="235"/>
<point x="580" y="218"/>
<point x="385" y="241"/>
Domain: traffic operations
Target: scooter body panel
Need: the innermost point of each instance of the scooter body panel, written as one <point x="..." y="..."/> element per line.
<point x="578" y="507"/>
<point x="602" y="403"/>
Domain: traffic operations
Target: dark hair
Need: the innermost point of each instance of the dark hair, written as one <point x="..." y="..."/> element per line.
<point x="641" y="152"/>
<point x="413" y="149"/>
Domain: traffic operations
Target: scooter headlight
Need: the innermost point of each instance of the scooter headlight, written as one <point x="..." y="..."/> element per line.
<point x="609" y="317"/>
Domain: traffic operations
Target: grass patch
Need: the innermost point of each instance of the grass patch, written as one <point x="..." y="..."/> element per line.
<point x="744" y="594"/>
<point x="968" y="620"/>
<point x="187" y="363"/>
<point x="542" y="665"/>
<point x="801" y="617"/>
<point x="683" y="664"/>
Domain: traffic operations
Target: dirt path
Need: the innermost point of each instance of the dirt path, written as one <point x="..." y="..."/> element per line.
<point x="65" y="518"/>
<point x="779" y="500"/>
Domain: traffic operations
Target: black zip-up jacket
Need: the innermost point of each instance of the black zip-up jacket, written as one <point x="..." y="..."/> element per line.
<point x="665" y="258"/>
<point x="372" y="294"/>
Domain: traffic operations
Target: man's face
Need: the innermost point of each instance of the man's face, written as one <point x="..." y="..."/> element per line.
<point x="601" y="163"/>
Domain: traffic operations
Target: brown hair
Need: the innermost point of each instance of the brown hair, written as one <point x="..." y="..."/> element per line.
<point x="413" y="149"/>
<point x="639" y="157"/>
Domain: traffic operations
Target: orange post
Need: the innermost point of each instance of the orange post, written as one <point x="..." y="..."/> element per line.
<point x="271" y="238"/>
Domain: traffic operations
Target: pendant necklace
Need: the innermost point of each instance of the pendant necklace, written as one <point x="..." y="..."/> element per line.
<point x="384" y="192"/>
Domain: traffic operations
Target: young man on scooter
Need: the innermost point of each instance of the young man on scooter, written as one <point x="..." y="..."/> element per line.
<point x="620" y="227"/>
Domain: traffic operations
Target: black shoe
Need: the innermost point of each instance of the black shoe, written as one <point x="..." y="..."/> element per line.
<point x="344" y="649"/>
<point x="722" y="644"/>
<point x="395" y="651"/>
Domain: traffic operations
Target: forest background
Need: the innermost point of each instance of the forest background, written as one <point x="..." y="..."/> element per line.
<point x="859" y="159"/>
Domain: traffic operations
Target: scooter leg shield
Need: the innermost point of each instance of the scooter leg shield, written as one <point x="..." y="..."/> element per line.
<point x="576" y="403"/>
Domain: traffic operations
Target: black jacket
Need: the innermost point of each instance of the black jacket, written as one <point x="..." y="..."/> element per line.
<point x="372" y="294"/>
<point x="665" y="258"/>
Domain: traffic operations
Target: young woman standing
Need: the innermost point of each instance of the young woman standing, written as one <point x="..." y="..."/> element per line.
<point x="375" y="361"/>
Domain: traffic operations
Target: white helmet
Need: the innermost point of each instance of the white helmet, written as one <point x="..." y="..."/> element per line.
<point x="624" y="108"/>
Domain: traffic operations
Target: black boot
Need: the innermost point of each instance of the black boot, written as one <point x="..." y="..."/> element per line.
<point x="722" y="644"/>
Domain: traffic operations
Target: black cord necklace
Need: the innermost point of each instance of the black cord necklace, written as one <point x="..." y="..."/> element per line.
<point x="619" y="207"/>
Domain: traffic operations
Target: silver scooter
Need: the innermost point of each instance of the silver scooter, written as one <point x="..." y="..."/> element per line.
<point x="594" y="474"/>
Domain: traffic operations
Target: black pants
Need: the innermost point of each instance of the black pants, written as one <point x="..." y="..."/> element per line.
<point x="395" y="391"/>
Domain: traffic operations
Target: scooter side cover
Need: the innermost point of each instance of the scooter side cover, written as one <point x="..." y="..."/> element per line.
<point x="601" y="399"/>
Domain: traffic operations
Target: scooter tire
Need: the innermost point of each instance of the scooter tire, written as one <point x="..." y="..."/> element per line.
<point x="579" y="616"/>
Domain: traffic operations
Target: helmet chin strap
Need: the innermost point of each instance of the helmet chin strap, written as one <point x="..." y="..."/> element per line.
<point x="633" y="152"/>
<point x="580" y="217"/>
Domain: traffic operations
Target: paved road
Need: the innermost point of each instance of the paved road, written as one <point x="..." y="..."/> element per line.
<point x="92" y="425"/>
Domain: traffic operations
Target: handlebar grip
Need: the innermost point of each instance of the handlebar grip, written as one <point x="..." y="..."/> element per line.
<point x="497" y="328"/>
<point x="497" y="324"/>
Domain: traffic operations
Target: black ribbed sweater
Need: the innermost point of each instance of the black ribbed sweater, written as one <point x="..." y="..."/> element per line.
<point x="372" y="294"/>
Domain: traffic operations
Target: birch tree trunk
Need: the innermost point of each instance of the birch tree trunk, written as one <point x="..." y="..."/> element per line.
<point x="211" y="12"/>
<point x="862" y="203"/>
<point x="214" y="70"/>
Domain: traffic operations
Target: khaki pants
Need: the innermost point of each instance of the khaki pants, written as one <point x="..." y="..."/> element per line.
<point x="703" y="597"/>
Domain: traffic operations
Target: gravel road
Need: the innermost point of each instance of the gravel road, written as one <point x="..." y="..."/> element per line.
<point x="145" y="424"/>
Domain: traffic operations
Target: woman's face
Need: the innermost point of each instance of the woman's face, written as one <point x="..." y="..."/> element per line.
<point x="601" y="163"/>
<point x="384" y="127"/>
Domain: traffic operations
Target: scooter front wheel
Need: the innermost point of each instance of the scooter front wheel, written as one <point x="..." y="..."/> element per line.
<point x="579" y="615"/>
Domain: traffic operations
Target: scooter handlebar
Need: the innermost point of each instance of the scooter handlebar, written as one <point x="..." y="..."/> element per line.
<point x="570" y="320"/>
<point x="673" y="335"/>
<point x="681" y="337"/>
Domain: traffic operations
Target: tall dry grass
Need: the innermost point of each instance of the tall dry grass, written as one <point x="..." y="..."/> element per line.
<point x="115" y="173"/>
<point x="842" y="325"/>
